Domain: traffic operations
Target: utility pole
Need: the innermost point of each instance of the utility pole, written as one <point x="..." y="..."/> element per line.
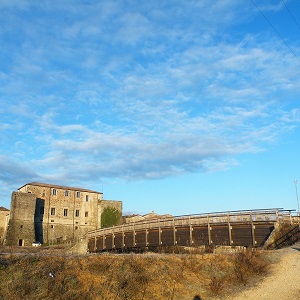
<point x="295" y="181"/>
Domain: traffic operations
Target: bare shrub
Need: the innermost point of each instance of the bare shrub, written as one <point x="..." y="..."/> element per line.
<point x="216" y="284"/>
<point x="249" y="262"/>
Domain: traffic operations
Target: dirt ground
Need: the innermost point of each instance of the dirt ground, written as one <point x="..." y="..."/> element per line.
<point x="283" y="281"/>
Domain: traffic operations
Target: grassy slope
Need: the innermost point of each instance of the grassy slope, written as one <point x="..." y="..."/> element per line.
<point x="126" y="276"/>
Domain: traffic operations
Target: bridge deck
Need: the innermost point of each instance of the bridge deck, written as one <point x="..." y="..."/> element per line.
<point x="238" y="228"/>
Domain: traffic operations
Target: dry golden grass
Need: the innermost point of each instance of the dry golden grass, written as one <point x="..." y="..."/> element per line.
<point x="126" y="276"/>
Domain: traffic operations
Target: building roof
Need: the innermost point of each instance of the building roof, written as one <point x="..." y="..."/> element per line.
<point x="60" y="187"/>
<point x="3" y="208"/>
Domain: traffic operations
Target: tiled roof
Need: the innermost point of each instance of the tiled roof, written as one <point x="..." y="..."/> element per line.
<point x="3" y="208"/>
<point x="60" y="187"/>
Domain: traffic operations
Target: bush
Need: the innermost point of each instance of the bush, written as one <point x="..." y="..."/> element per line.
<point x="110" y="216"/>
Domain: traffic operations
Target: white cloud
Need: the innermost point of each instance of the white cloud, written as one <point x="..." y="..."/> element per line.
<point x="160" y="89"/>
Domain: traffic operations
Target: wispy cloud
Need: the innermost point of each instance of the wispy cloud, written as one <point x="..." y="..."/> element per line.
<point x="107" y="89"/>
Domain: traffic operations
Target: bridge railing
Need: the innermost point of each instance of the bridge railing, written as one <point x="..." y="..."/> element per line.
<point x="245" y="216"/>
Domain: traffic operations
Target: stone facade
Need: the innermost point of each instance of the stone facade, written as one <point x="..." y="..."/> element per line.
<point x="4" y="217"/>
<point x="53" y="214"/>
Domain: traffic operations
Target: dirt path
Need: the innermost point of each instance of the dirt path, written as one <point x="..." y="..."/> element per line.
<point x="283" y="283"/>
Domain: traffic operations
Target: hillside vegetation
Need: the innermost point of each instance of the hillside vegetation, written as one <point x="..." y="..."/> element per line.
<point x="48" y="275"/>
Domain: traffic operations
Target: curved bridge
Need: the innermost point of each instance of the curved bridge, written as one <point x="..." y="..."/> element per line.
<point x="236" y="228"/>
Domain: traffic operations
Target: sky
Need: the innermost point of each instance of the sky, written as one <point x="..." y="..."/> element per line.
<point x="177" y="107"/>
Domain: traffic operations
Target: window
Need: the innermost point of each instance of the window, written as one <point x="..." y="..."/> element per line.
<point x="65" y="212"/>
<point x="52" y="221"/>
<point x="21" y="226"/>
<point x="41" y="210"/>
<point x="86" y="214"/>
<point x="52" y="211"/>
<point x="66" y="193"/>
<point x="77" y="194"/>
<point x="77" y="213"/>
<point x="76" y="227"/>
<point x="86" y="198"/>
<point x="52" y="226"/>
<point x="54" y="192"/>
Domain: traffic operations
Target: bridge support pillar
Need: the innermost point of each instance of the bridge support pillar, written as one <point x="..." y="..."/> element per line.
<point x="174" y="233"/>
<point x="159" y="236"/>
<point x="123" y="239"/>
<point x="191" y="235"/>
<point x="252" y="231"/>
<point x="209" y="232"/>
<point x="229" y="231"/>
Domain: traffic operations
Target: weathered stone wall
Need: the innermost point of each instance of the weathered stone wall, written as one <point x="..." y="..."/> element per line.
<point x="4" y="217"/>
<point x="110" y="203"/>
<point x="20" y="230"/>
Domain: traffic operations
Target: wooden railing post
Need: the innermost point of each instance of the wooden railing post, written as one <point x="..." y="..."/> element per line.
<point x="133" y="235"/>
<point x="252" y="230"/>
<point x="209" y="231"/>
<point x="159" y="236"/>
<point x="174" y="233"/>
<point x="229" y="230"/>
<point x="123" y="237"/>
<point x="191" y="232"/>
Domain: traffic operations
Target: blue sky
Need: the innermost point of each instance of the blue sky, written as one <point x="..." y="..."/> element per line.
<point x="173" y="106"/>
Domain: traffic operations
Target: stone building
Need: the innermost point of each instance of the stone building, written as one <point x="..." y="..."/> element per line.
<point x="150" y="216"/>
<point x="53" y="214"/>
<point x="4" y="217"/>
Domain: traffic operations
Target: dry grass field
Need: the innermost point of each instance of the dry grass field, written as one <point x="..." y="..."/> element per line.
<point x="55" y="274"/>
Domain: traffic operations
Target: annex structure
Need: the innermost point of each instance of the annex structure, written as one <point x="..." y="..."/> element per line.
<point x="50" y="213"/>
<point x="4" y="217"/>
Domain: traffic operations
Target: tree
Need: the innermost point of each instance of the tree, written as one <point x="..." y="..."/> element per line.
<point x="110" y="216"/>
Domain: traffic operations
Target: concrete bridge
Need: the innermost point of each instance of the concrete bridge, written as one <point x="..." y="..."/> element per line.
<point x="235" y="228"/>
